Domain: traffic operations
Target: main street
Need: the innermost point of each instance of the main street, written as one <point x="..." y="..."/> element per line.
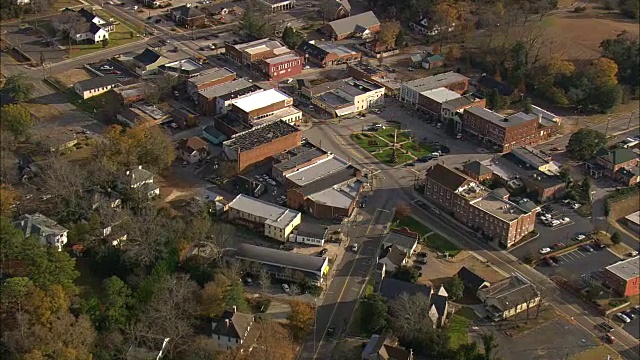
<point x="393" y="186"/>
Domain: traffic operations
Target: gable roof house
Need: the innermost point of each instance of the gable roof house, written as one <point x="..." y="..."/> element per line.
<point x="193" y="149"/>
<point x="82" y="25"/>
<point x="477" y="171"/>
<point x="403" y="238"/>
<point x="148" y="62"/>
<point x="426" y="26"/>
<point x="380" y="347"/>
<point x="508" y="297"/>
<point x="362" y="25"/>
<point x="139" y="178"/>
<point x="392" y="257"/>
<point x="471" y="280"/>
<point x="95" y="86"/>
<point x="391" y="289"/>
<point x="232" y="330"/>
<point x="336" y="9"/>
<point x="47" y="230"/>
<point x="187" y="16"/>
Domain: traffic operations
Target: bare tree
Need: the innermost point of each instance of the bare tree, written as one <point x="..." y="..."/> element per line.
<point x="409" y="314"/>
<point x="219" y="239"/>
<point x="265" y="280"/>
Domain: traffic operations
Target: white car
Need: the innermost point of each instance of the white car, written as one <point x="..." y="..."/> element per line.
<point x="565" y="220"/>
<point x="106" y="67"/>
<point x="555" y="222"/>
<point x="545" y="250"/>
<point x="580" y="237"/>
<point x="575" y="206"/>
<point x="285" y="288"/>
<point x="623" y="318"/>
<point x="354" y="247"/>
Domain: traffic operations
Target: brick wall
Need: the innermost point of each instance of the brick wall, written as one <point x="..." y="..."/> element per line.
<point x="218" y="81"/>
<point x="264" y="151"/>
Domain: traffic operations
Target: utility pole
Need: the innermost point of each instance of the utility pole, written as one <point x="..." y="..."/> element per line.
<point x="630" y="118"/>
<point x="606" y="131"/>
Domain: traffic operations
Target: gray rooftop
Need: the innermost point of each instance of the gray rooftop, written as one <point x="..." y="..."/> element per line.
<point x="339" y="196"/>
<point x="296" y="156"/>
<point x="240" y="92"/>
<point x="261" y="135"/>
<point x="39" y="225"/>
<point x="311" y="229"/>
<point x="97" y="82"/>
<point x="339" y="50"/>
<point x="282" y="58"/>
<point x="626" y="269"/>
<point x="318" y="170"/>
<point x="435" y="81"/>
<point x="275" y="215"/>
<point x="406" y="242"/>
<point x="531" y="156"/>
<point x="511" y="292"/>
<point x="223" y="89"/>
<point x="333" y="100"/>
<point x="286" y="259"/>
<point x="349" y="24"/>
<point x="332" y="179"/>
<point x="459" y="102"/>
<point x="210" y="75"/>
<point x="487" y="114"/>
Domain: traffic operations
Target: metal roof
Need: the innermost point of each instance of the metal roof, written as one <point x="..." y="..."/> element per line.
<point x="275" y="215"/>
<point x="351" y="23"/>
<point x="281" y="258"/>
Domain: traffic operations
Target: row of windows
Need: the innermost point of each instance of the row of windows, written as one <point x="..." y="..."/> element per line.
<point x="288" y="65"/>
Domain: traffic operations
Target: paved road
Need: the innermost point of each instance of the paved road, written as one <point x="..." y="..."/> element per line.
<point x="394" y="186"/>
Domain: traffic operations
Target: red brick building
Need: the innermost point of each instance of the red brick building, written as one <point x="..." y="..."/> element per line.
<point x="280" y="67"/>
<point x="477" y="171"/>
<point x="477" y="207"/>
<point x="209" y="78"/>
<point x="503" y="132"/>
<point x="251" y="52"/>
<point x="623" y="276"/>
<point x="260" y="143"/>
<point x="327" y="54"/>
<point x="618" y="164"/>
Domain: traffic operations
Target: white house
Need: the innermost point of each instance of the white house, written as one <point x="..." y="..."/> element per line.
<point x="309" y="233"/>
<point x="232" y="330"/>
<point x="95" y="86"/>
<point x="193" y="149"/>
<point x="83" y="25"/>
<point x="392" y="257"/>
<point x="49" y="231"/>
<point x="138" y="178"/>
<point x="278" y="221"/>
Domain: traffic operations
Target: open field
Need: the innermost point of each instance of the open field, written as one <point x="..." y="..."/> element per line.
<point x="577" y="36"/>
<point x="42" y="111"/>
<point x="414" y="225"/>
<point x="70" y="77"/>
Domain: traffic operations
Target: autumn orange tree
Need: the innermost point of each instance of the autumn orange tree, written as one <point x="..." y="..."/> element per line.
<point x="301" y="319"/>
<point x="144" y="144"/>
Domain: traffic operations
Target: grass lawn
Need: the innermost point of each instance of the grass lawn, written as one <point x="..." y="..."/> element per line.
<point x="385" y="156"/>
<point x="44" y="26"/>
<point x="90" y="105"/>
<point x="124" y="33"/>
<point x="387" y="134"/>
<point x="441" y="244"/>
<point x="417" y="149"/>
<point x="597" y="353"/>
<point x="363" y="141"/>
<point x="458" y="329"/>
<point x="467" y="313"/>
<point x="414" y="225"/>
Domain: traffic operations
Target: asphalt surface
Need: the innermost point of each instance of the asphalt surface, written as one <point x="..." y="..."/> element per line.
<point x="579" y="262"/>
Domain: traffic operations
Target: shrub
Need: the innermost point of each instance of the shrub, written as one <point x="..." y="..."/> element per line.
<point x="579" y="9"/>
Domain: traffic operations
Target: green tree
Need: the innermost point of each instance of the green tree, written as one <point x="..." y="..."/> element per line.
<point x="373" y="313"/>
<point x="454" y="287"/>
<point x="291" y="37"/>
<point x="584" y="143"/>
<point x="253" y="22"/>
<point x="105" y="43"/>
<point x="528" y="106"/>
<point x="400" y="40"/>
<point x="116" y="301"/>
<point x="234" y="296"/>
<point x="615" y="238"/>
<point x="629" y="8"/>
<point x="406" y="273"/>
<point x="16" y="119"/>
<point x="624" y="50"/>
<point x="493" y="99"/>
<point x="490" y="346"/>
<point x="19" y="87"/>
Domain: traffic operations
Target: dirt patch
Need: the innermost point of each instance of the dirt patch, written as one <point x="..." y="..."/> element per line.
<point x="577" y="36"/>
<point x="622" y="208"/>
<point x="439" y="270"/>
<point x="70" y="77"/>
<point x="42" y="112"/>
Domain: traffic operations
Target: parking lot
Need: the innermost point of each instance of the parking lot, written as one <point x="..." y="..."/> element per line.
<point x="110" y="67"/>
<point x="549" y="236"/>
<point x="33" y="43"/>
<point x="574" y="264"/>
<point x="633" y="328"/>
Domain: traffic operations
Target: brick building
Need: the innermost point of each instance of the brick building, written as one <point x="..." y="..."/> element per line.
<point x="454" y="108"/>
<point x="249" y="53"/>
<point x="623" y="276"/>
<point x="295" y="159"/>
<point x="410" y="91"/>
<point x="208" y="98"/>
<point x="477" y="171"/>
<point x="618" y="164"/>
<point x="362" y="25"/>
<point x="279" y="67"/>
<point x="207" y="79"/>
<point x="476" y="207"/>
<point x="503" y="132"/>
<point x="188" y="16"/>
<point x="376" y="75"/>
<point x="260" y="143"/>
<point x="327" y="54"/>
<point x="260" y="105"/>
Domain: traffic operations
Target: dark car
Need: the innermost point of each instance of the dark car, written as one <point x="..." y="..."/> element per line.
<point x="417" y="267"/>
<point x="421" y="261"/>
<point x="558" y="245"/>
<point x="423" y="159"/>
<point x="629" y="314"/>
<point x="423" y="254"/>
<point x="410" y="164"/>
<point x="606" y="327"/>
<point x="550" y="262"/>
<point x="555" y="259"/>
<point x="445" y="149"/>
<point x="587" y="248"/>
<point x="331" y="330"/>
<point x="323" y="252"/>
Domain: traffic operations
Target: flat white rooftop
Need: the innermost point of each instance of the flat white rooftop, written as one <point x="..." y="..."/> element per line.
<point x="259" y="100"/>
<point x="318" y="170"/>
<point x="441" y="95"/>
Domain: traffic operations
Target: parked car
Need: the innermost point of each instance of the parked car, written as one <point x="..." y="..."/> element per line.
<point x="354" y="247"/>
<point x="545" y="250"/>
<point x="633" y="253"/>
<point x="637" y="308"/>
<point x="555" y="259"/>
<point x="106" y="67"/>
<point x="421" y="261"/>
<point x="417" y="267"/>
<point x="286" y="289"/>
<point x="575" y="206"/>
<point x="587" y="248"/>
<point x="629" y="314"/>
<point x="422" y="254"/>
<point x="550" y="262"/>
<point x="248" y="281"/>
<point x="606" y="327"/>
<point x="558" y="246"/>
<point x="331" y="330"/>
<point x="579" y="237"/>
<point x="555" y="222"/>
<point x="610" y="338"/>
<point x="623" y="318"/>
<point x="323" y="252"/>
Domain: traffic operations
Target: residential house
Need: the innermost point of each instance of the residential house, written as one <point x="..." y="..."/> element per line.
<point x="404" y="238"/>
<point x="426" y="26"/>
<point x="272" y="220"/>
<point x="624" y="277"/>
<point x="380" y="347"/>
<point x="432" y="61"/>
<point x="95" y="86"/>
<point x="82" y="25"/>
<point x="310" y="233"/>
<point x="220" y="9"/>
<point x="477" y="171"/>
<point x="471" y="280"/>
<point x="618" y="164"/>
<point x="104" y="198"/>
<point x="477" y="207"/>
<point x="233" y="330"/>
<point x="53" y="138"/>
<point x="193" y="149"/>
<point x="393" y="257"/>
<point x="48" y="231"/>
<point x="362" y="25"/>
<point x="187" y="16"/>
<point x="129" y="94"/>
<point x="336" y="9"/>
<point x="392" y="289"/>
<point x="509" y="297"/>
<point x="148" y="62"/>
<point x="284" y="265"/>
<point x="141" y="179"/>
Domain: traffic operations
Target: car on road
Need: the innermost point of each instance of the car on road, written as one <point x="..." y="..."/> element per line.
<point x="116" y="72"/>
<point x="606" y="327"/>
<point x="286" y="289"/>
<point x="633" y="253"/>
<point x="587" y="248"/>
<point x="354" y="247"/>
<point x="185" y="163"/>
<point x="622" y="317"/>
<point x="545" y="250"/>
<point x="555" y="148"/>
<point x="323" y="252"/>
<point x="331" y="330"/>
